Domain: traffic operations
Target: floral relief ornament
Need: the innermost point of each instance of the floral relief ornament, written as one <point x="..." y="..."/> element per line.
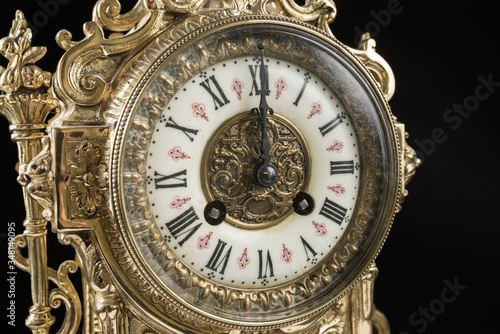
<point x="88" y="179"/>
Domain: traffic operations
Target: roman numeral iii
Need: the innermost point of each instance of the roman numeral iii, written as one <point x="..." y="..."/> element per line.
<point x="341" y="167"/>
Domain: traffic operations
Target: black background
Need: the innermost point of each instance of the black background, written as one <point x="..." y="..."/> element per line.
<point x="448" y="229"/>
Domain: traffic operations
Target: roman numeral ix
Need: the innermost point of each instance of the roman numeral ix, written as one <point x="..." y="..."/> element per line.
<point x="170" y="181"/>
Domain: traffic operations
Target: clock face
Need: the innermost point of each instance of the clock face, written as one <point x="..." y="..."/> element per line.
<point x="204" y="231"/>
<point x="206" y="148"/>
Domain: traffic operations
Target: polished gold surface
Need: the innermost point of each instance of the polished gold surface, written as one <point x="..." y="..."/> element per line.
<point x="229" y="162"/>
<point x="67" y="169"/>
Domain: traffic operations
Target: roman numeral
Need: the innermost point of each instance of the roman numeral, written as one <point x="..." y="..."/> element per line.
<point x="306" y="81"/>
<point x="220" y="100"/>
<point x="182" y="225"/>
<point x="171" y="124"/>
<point x="218" y="258"/>
<point x="341" y="167"/>
<point x="333" y="211"/>
<point x="170" y="181"/>
<point x="330" y="125"/>
<point x="268" y="269"/>
<point x="254" y="69"/>
<point x="308" y="249"/>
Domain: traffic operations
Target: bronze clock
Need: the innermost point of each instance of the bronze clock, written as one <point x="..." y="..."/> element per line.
<point x="218" y="168"/>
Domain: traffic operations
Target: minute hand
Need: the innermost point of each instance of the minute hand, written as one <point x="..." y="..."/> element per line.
<point x="266" y="173"/>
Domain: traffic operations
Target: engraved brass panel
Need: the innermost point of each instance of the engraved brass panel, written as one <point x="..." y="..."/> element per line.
<point x="230" y="159"/>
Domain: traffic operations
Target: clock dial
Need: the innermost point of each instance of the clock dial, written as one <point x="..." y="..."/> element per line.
<point x="208" y="236"/>
<point x="206" y="147"/>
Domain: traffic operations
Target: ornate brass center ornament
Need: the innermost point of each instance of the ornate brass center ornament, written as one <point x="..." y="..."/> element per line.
<point x="228" y="170"/>
<point x="218" y="167"/>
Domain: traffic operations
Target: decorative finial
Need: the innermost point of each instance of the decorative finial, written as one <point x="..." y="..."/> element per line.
<point x="21" y="73"/>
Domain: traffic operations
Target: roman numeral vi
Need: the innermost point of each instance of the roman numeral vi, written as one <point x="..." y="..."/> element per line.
<point x="268" y="268"/>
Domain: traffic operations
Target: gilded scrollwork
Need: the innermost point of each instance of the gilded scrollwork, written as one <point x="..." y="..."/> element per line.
<point x="376" y="65"/>
<point x="320" y="13"/>
<point x="409" y="162"/>
<point x="107" y="14"/>
<point x="412" y="162"/>
<point x="88" y="66"/>
<point x="66" y="294"/>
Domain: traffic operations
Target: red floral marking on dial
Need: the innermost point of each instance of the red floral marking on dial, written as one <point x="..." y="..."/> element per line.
<point x="199" y="111"/>
<point x="177" y="154"/>
<point x="203" y="242"/>
<point x="237" y="87"/>
<point x="179" y="202"/>
<point x="320" y="229"/>
<point x="338" y="189"/>
<point x="280" y="86"/>
<point x="287" y="254"/>
<point x="337" y="146"/>
<point x="317" y="108"/>
<point x="243" y="261"/>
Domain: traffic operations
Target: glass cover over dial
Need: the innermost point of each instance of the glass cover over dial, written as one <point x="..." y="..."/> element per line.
<point x="235" y="224"/>
<point x="206" y="149"/>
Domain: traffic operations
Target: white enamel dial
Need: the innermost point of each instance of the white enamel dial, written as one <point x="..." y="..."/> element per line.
<point x="229" y="253"/>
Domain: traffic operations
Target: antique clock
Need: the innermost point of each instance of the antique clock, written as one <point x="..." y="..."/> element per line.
<point x="218" y="167"/>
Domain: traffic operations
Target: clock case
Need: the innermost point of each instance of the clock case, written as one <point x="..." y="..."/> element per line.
<point x="74" y="172"/>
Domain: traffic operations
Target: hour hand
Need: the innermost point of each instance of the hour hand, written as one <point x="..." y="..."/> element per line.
<point x="266" y="173"/>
